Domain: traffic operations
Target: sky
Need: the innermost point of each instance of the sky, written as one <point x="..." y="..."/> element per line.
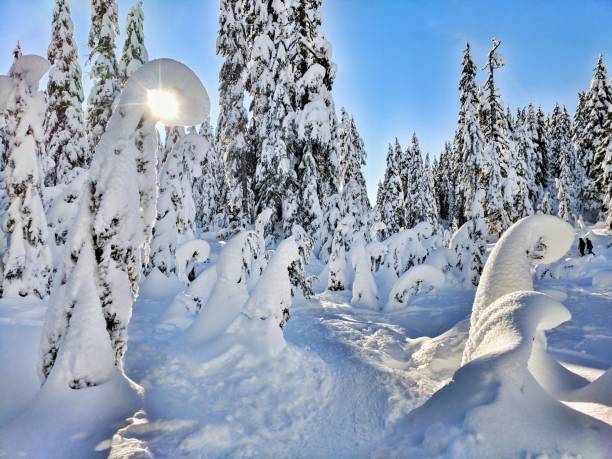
<point x="398" y="60"/>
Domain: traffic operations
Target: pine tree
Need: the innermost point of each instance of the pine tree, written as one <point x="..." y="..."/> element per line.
<point x="27" y="259"/>
<point x="431" y="205"/>
<point x="443" y="186"/>
<point x="209" y="189"/>
<point x="271" y="79"/>
<point x="232" y="121"/>
<point x="469" y="165"/>
<point x="607" y="180"/>
<point x="176" y="208"/>
<point x="353" y="157"/>
<point x="477" y="233"/>
<point x="521" y="176"/>
<point x="495" y="128"/>
<point x="392" y="210"/>
<point x="134" y="51"/>
<point x="104" y="68"/>
<point x="67" y="149"/>
<point x="316" y="123"/>
<point x="418" y="195"/>
<point x="599" y="125"/>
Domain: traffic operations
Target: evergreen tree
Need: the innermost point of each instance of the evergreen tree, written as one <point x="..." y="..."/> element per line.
<point x="67" y="149"/>
<point x="607" y="180"/>
<point x="353" y="157"/>
<point x="587" y="195"/>
<point x="27" y="259"/>
<point x="392" y="200"/>
<point x="134" y="51"/>
<point x="444" y="188"/>
<point x="176" y="208"/>
<point x="599" y="125"/>
<point x="417" y="190"/>
<point x="316" y="123"/>
<point x="209" y="189"/>
<point x="232" y="123"/>
<point x="431" y="205"/>
<point x="272" y="81"/>
<point x="470" y="165"/>
<point x="104" y="68"/>
<point x="495" y="128"/>
<point x="477" y="233"/>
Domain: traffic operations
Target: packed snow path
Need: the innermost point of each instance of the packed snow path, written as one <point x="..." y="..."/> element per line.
<point x="346" y="380"/>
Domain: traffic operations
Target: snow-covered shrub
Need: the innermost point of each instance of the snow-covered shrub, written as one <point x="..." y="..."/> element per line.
<point x="537" y="239"/>
<point x="339" y="267"/>
<point x="409" y="247"/>
<point x="420" y="278"/>
<point x="266" y="312"/>
<point x="188" y="255"/>
<point x="365" y="291"/>
<point x="238" y="267"/>
<point x="63" y="209"/>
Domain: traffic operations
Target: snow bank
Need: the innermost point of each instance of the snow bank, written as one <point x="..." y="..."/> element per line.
<point x="412" y="282"/>
<point x="537" y="239"/>
<point x="365" y="291"/>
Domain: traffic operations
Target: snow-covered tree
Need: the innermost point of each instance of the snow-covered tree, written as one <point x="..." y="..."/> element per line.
<point x="27" y="259"/>
<point x="419" y="202"/>
<point x="104" y="68"/>
<point x="271" y="80"/>
<point x="339" y="266"/>
<point x="107" y="238"/>
<point x="392" y="193"/>
<point x="353" y="157"/>
<point x="477" y="233"/>
<point x="599" y="124"/>
<point x="469" y="165"/>
<point x="495" y="128"/>
<point x="365" y="291"/>
<point x="232" y="121"/>
<point x="66" y="143"/>
<point x="176" y="208"/>
<point x="134" y="52"/>
<point x="315" y="111"/>
<point x="209" y="189"/>
<point x="607" y="180"/>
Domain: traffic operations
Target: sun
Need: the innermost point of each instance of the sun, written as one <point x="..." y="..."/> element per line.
<point x="163" y="104"/>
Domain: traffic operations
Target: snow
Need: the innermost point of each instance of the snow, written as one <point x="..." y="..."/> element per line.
<point x="31" y="68"/>
<point x="417" y="279"/>
<point x="345" y="376"/>
<point x="602" y="280"/>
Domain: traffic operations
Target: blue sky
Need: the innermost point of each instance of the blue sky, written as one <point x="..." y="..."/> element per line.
<point x="398" y="60"/>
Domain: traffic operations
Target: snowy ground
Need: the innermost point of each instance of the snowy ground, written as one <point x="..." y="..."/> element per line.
<point x="341" y="388"/>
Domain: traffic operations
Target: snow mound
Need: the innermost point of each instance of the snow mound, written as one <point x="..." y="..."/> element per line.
<point x="416" y="280"/>
<point x="537" y="239"/>
<point x="494" y="400"/>
<point x="173" y="77"/>
<point x="603" y="280"/>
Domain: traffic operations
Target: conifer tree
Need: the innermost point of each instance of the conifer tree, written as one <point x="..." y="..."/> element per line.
<point x="232" y="121"/>
<point x="470" y="165"/>
<point x="316" y="121"/>
<point x="209" y="189"/>
<point x="443" y="183"/>
<point x="353" y="156"/>
<point x="495" y="128"/>
<point x="607" y="180"/>
<point x="392" y="200"/>
<point x="134" y="52"/>
<point x="477" y="233"/>
<point x="104" y="68"/>
<point x="67" y="149"/>
<point x="599" y="125"/>
<point x="27" y="259"/>
<point x="176" y="208"/>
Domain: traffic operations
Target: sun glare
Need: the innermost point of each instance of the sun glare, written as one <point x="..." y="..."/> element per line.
<point x="162" y="104"/>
